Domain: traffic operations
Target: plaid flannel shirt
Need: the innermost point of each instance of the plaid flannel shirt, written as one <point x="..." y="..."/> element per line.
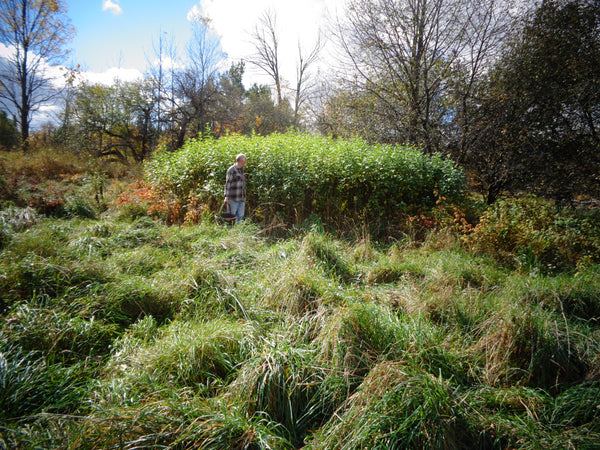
<point x="235" y="184"/>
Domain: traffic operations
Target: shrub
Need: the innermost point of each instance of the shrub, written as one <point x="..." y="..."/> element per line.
<point x="532" y="233"/>
<point x="292" y="176"/>
<point x="141" y="198"/>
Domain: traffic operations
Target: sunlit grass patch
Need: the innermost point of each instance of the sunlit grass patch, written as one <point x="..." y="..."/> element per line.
<point x="391" y="267"/>
<point x="142" y="231"/>
<point x="456" y="268"/>
<point x="506" y="416"/>
<point x="18" y="219"/>
<point x="46" y="239"/>
<point x="57" y="333"/>
<point x="283" y="382"/>
<point x="184" y="422"/>
<point x="397" y="406"/>
<point x="30" y="383"/>
<point x="227" y="425"/>
<point x="297" y="291"/>
<point x="195" y="355"/>
<point x="125" y="332"/>
<point x="143" y="261"/>
<point x="577" y="406"/>
<point x="531" y="347"/>
<point x="316" y="250"/>
<point x="292" y="283"/>
<point x="576" y="295"/>
<point x="355" y="337"/>
<point x="160" y="295"/>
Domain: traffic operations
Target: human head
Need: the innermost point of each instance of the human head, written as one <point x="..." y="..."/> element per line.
<point x="241" y="160"/>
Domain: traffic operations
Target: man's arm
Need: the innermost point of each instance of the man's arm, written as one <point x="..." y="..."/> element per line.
<point x="228" y="180"/>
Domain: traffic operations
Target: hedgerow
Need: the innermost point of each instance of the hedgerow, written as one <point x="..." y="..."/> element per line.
<point x="293" y="176"/>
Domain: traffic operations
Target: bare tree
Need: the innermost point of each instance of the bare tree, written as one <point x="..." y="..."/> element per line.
<point x="196" y="85"/>
<point x="404" y="54"/>
<point x="162" y="66"/>
<point x="490" y="26"/>
<point x="35" y="32"/>
<point x="304" y="80"/>
<point x="266" y="43"/>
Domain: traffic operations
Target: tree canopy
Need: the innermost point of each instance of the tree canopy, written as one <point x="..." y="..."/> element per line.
<point x="538" y="125"/>
<point x="36" y="33"/>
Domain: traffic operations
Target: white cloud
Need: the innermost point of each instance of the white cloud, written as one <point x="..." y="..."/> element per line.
<point x="109" y="5"/>
<point x="194" y="14"/>
<point x="55" y="74"/>
<point x="167" y="63"/>
<point x="5" y="51"/>
<point x="111" y="75"/>
<point x="298" y="22"/>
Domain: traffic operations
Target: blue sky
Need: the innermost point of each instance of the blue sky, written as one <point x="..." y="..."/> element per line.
<point x="122" y="35"/>
<point x="115" y="34"/>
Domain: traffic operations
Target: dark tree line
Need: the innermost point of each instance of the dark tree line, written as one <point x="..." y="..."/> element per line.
<point x="536" y="129"/>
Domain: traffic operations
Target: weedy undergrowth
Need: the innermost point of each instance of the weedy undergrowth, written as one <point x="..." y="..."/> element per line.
<point x="120" y="331"/>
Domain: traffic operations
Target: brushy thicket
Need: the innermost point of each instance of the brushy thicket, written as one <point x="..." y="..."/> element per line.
<point x="120" y="331"/>
<point x="56" y="183"/>
<point x="294" y="176"/>
<point x="533" y="233"/>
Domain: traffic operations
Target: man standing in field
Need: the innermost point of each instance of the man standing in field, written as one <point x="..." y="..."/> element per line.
<point x="235" y="188"/>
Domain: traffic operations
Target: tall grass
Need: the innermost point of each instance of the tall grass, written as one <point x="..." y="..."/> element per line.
<point x="183" y="355"/>
<point x="119" y="331"/>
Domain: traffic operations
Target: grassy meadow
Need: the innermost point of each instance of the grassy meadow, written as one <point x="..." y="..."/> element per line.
<point x="129" y="318"/>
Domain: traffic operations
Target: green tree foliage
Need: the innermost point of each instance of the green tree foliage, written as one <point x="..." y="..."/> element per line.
<point x="538" y="127"/>
<point x="115" y="120"/>
<point x="247" y="111"/>
<point x="36" y="33"/>
<point x="230" y="114"/>
<point x="9" y="136"/>
<point x="263" y="115"/>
